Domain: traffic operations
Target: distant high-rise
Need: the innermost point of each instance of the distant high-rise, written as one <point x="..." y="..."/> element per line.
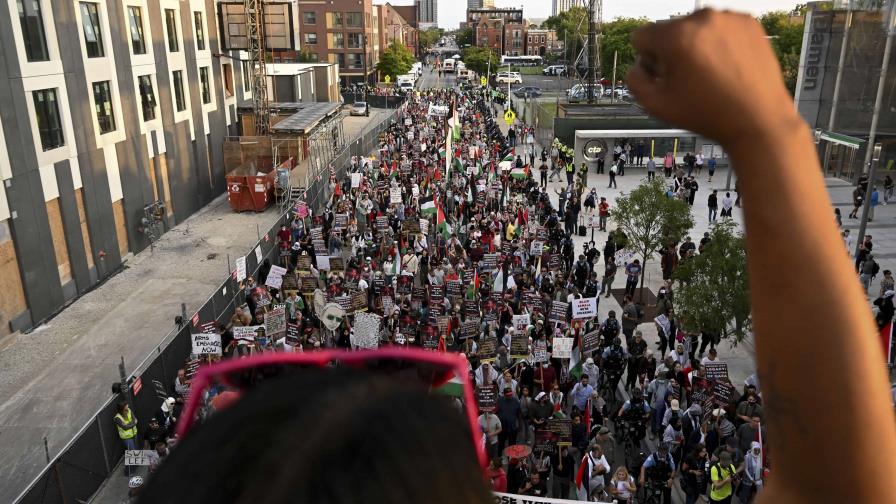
<point x="562" y="6"/>
<point x="428" y="11"/>
<point x="479" y="4"/>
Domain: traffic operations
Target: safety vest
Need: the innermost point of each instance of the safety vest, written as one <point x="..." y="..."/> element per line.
<point x="126" y="433"/>
<point x="570" y="167"/>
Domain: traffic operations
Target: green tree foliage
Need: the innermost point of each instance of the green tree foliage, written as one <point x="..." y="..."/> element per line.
<point x="786" y="32"/>
<point x="650" y="219"/>
<point x="464" y="37"/>
<point x="570" y="25"/>
<point x="477" y="59"/>
<point x="428" y="38"/>
<point x="616" y="36"/>
<point x="714" y="294"/>
<point x="395" y="61"/>
<point x="307" y="56"/>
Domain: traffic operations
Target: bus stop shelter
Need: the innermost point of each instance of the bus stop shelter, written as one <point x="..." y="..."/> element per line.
<point x="591" y="145"/>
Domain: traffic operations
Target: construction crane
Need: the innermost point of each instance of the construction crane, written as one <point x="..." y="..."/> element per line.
<point x="255" y="47"/>
<point x="588" y="58"/>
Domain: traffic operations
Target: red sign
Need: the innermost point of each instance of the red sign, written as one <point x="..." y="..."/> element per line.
<point x="195" y="320"/>
<point x="137" y="385"/>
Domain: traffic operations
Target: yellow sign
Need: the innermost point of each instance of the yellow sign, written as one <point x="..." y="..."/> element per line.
<point x="509" y="116"/>
<point x="482" y="81"/>
<point x="387" y="79"/>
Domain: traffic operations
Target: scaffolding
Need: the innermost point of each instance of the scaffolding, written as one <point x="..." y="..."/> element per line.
<point x="255" y="43"/>
<point x="587" y="63"/>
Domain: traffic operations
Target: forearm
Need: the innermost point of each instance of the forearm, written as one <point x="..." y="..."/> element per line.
<point x="790" y="239"/>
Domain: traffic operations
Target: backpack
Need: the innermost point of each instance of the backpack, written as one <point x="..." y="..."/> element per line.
<point x="875" y="269"/>
<point x="613" y="169"/>
<point x="616" y="359"/>
<point x="610" y="329"/>
<point x="661" y="469"/>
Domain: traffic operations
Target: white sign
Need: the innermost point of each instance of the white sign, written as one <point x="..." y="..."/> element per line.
<point x="138" y="457"/>
<point x="395" y="195"/>
<point x="275" y="321"/>
<point x="521" y="322"/>
<point x="366" y="332"/>
<point x="274" y="282"/>
<point x="277" y="271"/>
<point x="562" y="348"/>
<point x="323" y="262"/>
<point x="206" y="344"/>
<point x="537" y="248"/>
<point x="408" y="121"/>
<point x="424" y="226"/>
<point x="584" y="308"/>
<point x="438" y="110"/>
<point x="356" y="180"/>
<point x="240" y="268"/>
<point x="245" y="333"/>
<point x="540" y="352"/>
<point x="624" y="257"/>
<point x="258" y="254"/>
<point x="505" y="498"/>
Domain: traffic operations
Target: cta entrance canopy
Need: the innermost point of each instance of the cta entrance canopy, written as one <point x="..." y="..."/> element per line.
<point x="591" y="145"/>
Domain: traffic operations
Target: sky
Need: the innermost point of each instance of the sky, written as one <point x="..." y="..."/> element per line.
<point x="452" y="12"/>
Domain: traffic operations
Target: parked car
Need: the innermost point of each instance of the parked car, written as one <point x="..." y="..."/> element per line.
<point x="554" y="70"/>
<point x="527" y="92"/>
<point x="359" y="109"/>
<point x="579" y="93"/>
<point x="509" y="78"/>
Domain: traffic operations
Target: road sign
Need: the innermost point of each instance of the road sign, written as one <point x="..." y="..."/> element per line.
<point x="509" y="117"/>
<point x="482" y="81"/>
<point x="387" y="79"/>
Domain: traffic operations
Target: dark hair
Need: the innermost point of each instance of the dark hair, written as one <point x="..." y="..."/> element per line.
<point x="121" y="406"/>
<point x="337" y="436"/>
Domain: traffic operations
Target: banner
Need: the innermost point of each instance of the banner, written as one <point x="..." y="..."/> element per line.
<point x="505" y="498"/>
<point x="246" y="333"/>
<point x="206" y="344"/>
<point x="584" y="308"/>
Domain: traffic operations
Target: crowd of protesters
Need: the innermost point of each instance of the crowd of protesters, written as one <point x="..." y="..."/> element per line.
<point x="447" y="235"/>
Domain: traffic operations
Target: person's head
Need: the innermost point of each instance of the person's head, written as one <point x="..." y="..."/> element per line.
<point x="585" y="379"/>
<point x="495" y="463"/>
<point x="751" y="398"/>
<point x="525" y="391"/>
<point x="679" y="348"/>
<point x="754" y="422"/>
<point x="713" y="353"/>
<point x="603" y="434"/>
<point x="755" y="449"/>
<point x="375" y="418"/>
<point x="888" y="273"/>
<point x="725" y="458"/>
<point x="662" y="449"/>
<point x="181" y="374"/>
<point x="638" y="336"/>
<point x="162" y="448"/>
<point x="621" y="473"/>
<point x="123" y="407"/>
<point x="611" y="314"/>
<point x="596" y="450"/>
<point x="699" y="451"/>
<point x="617" y="342"/>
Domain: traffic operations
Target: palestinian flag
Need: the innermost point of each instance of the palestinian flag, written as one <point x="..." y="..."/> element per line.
<point x="474" y="287"/>
<point x="458" y="165"/>
<point x="441" y="225"/>
<point x="519" y="173"/>
<point x="456" y="132"/>
<point x="427" y="205"/>
<point x="442" y="153"/>
<point x="575" y="363"/>
<point x="508" y="157"/>
<point x="453" y="388"/>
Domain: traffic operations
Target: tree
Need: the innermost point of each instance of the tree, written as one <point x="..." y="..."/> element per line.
<point x="306" y="56"/>
<point x="477" y="59"/>
<point x="395" y="61"/>
<point x="616" y="36"/>
<point x="650" y="219"/>
<point x="571" y="25"/>
<point x="714" y="295"/>
<point x="428" y="38"/>
<point x="464" y="37"/>
<point x="786" y="32"/>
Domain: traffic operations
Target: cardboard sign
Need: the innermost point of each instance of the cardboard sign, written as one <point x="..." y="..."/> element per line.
<point x="405" y="284"/>
<point x="303" y="263"/>
<point x="307" y="284"/>
<point x="356" y="180"/>
<point x="562" y="348"/>
<point x="584" y="308"/>
<point x="717" y="371"/>
<point x="139" y="457"/>
<point x="317" y="233"/>
<point x="394" y="195"/>
<point x="340" y="221"/>
<point x="411" y="226"/>
<point x="206" y="344"/>
<point x="293" y="334"/>
<point x="320" y="248"/>
<point x="366" y="333"/>
<point x="471" y="308"/>
<point x="558" y="312"/>
<point x="487" y="399"/>
<point x="469" y="328"/>
<point x="489" y="262"/>
<point x="208" y="328"/>
<point x="240" y="268"/>
<point x="491" y="309"/>
<point x="337" y="263"/>
<point x="359" y="302"/>
<point x="382" y="222"/>
<point x="536" y="248"/>
<point x="488" y="348"/>
<point x="454" y="288"/>
<point x="562" y="427"/>
<point x="555" y="262"/>
<point x="519" y="346"/>
<point x="275" y="320"/>
<point x="388" y="305"/>
<point x="418" y="293"/>
<point x="245" y="333"/>
<point x="723" y="392"/>
<point x="545" y="442"/>
<point x="539" y="351"/>
<point x="591" y="342"/>
<point x="430" y="337"/>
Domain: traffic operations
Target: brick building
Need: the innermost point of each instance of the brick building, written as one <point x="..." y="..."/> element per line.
<point x="542" y="42"/>
<point x="395" y="27"/>
<point x="501" y="29"/>
<point x="345" y="32"/>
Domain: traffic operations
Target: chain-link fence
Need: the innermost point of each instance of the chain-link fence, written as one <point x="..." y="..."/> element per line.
<point x="538" y="112"/>
<point x="92" y="456"/>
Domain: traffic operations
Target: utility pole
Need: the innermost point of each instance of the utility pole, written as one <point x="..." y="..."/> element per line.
<point x="592" y="52"/>
<point x="613" y="83"/>
<point x="870" y="148"/>
<point x="364" y="40"/>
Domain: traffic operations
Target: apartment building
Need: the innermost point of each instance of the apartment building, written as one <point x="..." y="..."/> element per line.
<point x="106" y="108"/>
<point x="560" y="6"/>
<point x="345" y="32"/>
<point x="394" y="27"/>
<point x="478" y="4"/>
<point x="428" y="12"/>
<point x="542" y="42"/>
<point x="501" y="29"/>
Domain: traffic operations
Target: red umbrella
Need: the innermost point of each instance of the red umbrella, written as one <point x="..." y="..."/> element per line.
<point x="517" y="451"/>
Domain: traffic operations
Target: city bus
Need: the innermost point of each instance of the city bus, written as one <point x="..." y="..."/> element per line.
<point x="521" y="61"/>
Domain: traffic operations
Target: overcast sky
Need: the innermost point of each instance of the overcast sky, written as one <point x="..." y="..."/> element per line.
<point x="452" y="12"/>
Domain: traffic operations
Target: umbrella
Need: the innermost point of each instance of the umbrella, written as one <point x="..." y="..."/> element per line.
<point x="517" y="451"/>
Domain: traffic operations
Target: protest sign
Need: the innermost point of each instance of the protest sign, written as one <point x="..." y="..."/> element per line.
<point x="411" y="226"/>
<point x="418" y="293"/>
<point x="558" y="312"/>
<point x="471" y="307"/>
<point x="545" y="441"/>
<point x="540" y="351"/>
<point x="454" y="288"/>
<point x="307" y="284"/>
<point x="293" y="334"/>
<point x="488" y="348"/>
<point x="489" y="262"/>
<point x="555" y="262"/>
<point x="562" y="348"/>
<point x="506" y="498"/>
<point x="340" y="221"/>
<point x="240" y="268"/>
<point x="323" y="262"/>
<point x="490" y="310"/>
<point x="394" y="195"/>
<point x="139" y="457"/>
<point x="275" y="320"/>
<point x="206" y="344"/>
<point x="317" y="233"/>
<point x="366" y="332"/>
<point x="208" y="328"/>
<point x="320" y="248"/>
<point x="245" y="333"/>
<point x="487" y="399"/>
<point x="723" y="392"/>
<point x="442" y="324"/>
<point x="277" y="271"/>
<point x="337" y="263"/>
<point x="424" y="226"/>
<point x="405" y="284"/>
<point x="258" y="252"/>
<point x="562" y="427"/>
<point x="584" y="308"/>
<point x="382" y="222"/>
<point x="469" y="328"/>
<point x="344" y="302"/>
<point x="521" y="322"/>
<point x="359" y="302"/>
<point x="591" y="342"/>
<point x="332" y="315"/>
<point x="519" y="346"/>
<point x="536" y="248"/>
<point x="717" y="371"/>
<point x="356" y="180"/>
<point x="274" y="282"/>
<point x="388" y="305"/>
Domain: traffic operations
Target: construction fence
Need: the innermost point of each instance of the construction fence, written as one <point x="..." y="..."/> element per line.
<point x="539" y="113"/>
<point x="92" y="456"/>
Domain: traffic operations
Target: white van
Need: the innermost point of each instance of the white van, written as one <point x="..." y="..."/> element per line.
<point x="411" y="78"/>
<point x="448" y="65"/>
<point x="464" y="73"/>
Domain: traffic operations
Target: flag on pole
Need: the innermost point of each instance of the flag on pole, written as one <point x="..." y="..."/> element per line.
<point x="441" y="225"/>
<point x="508" y="157"/>
<point x="427" y="205"/>
<point x="575" y="363"/>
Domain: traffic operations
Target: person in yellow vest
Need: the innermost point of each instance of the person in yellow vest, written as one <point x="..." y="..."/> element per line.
<point x="126" y="423"/>
<point x="722" y="476"/>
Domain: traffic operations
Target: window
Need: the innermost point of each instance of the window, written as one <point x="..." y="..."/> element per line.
<point x="338" y="41"/>
<point x="48" y="122"/>
<point x="354" y="20"/>
<point x="337" y="19"/>
<point x="354" y="40"/>
<point x="309" y="17"/>
<point x="310" y="38"/>
<point x="247" y="85"/>
<point x="179" y="103"/>
<point x="102" y="100"/>
<point x="32" y="23"/>
<point x="227" y="68"/>
<point x="206" y="89"/>
<point x="135" y="16"/>
<point x="355" y="60"/>
<point x="171" y="26"/>
<point x="147" y="97"/>
<point x="200" y="30"/>
<point x="340" y="59"/>
<point x="93" y="35"/>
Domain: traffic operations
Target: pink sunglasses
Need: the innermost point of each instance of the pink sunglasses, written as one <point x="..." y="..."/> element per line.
<point x="431" y="368"/>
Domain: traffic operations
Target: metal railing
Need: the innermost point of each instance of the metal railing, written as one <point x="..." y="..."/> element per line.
<point x="92" y="455"/>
